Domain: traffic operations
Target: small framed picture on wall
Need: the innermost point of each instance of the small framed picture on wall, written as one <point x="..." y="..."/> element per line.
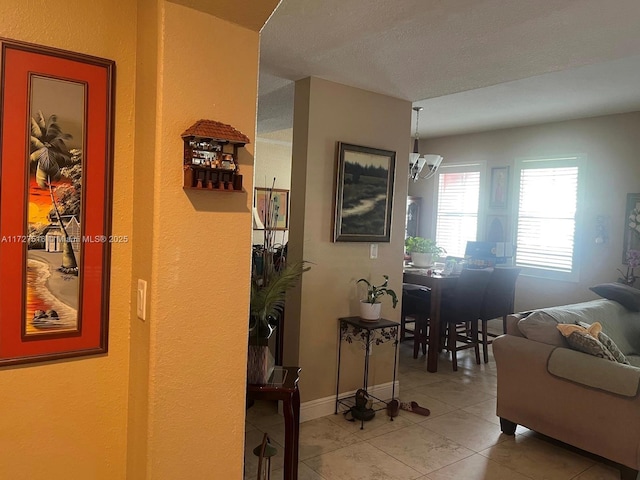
<point x="499" y="187"/>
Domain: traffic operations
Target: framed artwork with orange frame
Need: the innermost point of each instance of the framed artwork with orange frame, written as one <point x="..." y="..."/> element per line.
<point x="56" y="134"/>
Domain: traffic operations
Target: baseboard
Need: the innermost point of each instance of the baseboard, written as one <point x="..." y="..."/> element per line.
<point x="327" y="405"/>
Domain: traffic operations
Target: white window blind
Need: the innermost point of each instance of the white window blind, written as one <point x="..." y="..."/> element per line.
<point x="548" y="200"/>
<point x="457" y="210"/>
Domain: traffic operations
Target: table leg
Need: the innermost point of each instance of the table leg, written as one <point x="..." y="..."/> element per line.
<point x="296" y="430"/>
<point x="339" y="358"/>
<point x="434" y="329"/>
<point x="290" y="437"/>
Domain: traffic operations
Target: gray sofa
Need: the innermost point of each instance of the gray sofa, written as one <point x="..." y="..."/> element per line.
<point x="580" y="399"/>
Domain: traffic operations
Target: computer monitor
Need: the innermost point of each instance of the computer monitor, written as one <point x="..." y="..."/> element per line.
<point x="487" y="254"/>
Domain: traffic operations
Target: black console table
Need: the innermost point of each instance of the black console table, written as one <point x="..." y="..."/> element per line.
<point x="368" y="333"/>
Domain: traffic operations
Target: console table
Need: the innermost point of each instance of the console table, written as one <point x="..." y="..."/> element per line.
<point x="366" y="332"/>
<point x="284" y="386"/>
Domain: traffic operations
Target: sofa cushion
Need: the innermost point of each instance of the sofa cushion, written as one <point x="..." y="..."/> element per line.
<point x="585" y="339"/>
<point x="539" y="326"/>
<point x="621" y="325"/>
<point x="591" y="371"/>
<point x="626" y="296"/>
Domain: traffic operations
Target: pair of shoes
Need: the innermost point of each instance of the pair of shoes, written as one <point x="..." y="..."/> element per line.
<point x="415" y="408"/>
<point x="393" y="408"/>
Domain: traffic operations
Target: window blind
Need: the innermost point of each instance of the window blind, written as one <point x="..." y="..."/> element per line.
<point x="457" y="211"/>
<point x="547" y="217"/>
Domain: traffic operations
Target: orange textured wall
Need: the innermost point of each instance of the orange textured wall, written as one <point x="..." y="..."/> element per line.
<point x="68" y="419"/>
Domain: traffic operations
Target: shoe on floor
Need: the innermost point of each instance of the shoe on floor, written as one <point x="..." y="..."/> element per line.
<point x="393" y="408"/>
<point x="415" y="408"/>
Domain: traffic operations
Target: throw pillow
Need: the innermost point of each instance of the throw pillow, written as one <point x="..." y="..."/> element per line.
<point x="613" y="348"/>
<point x="608" y="342"/>
<point x="584" y="339"/>
<point x="625" y="295"/>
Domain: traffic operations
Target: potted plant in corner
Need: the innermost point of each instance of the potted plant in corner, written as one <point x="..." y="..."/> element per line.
<point x="370" y="307"/>
<point x="422" y="251"/>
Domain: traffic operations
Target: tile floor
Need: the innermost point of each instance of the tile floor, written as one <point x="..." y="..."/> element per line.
<point x="461" y="439"/>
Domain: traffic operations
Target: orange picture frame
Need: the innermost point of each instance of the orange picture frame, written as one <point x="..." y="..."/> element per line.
<point x="55" y="202"/>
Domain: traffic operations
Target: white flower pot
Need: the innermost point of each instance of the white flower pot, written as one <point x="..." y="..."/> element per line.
<point x="370" y="311"/>
<point x="421" y="259"/>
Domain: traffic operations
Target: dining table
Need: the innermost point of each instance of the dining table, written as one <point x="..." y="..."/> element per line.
<point x="439" y="284"/>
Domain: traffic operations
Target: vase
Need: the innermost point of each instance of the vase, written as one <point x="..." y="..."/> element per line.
<point x="370" y="311"/>
<point x="421" y="259"/>
<point x="260" y="360"/>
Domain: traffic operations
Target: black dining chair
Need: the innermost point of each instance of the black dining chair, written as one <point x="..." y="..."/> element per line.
<point x="498" y="302"/>
<point x="416" y="308"/>
<point x="462" y="309"/>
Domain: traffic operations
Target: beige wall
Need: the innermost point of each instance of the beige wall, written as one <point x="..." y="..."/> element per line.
<point x="611" y="146"/>
<point x="326" y="113"/>
<point x="68" y="419"/>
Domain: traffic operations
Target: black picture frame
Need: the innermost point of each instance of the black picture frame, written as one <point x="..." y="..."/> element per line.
<point x="364" y="194"/>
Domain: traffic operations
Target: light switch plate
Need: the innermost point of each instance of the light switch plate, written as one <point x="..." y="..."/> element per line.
<point x="141" y="299"/>
<point x="373" y="250"/>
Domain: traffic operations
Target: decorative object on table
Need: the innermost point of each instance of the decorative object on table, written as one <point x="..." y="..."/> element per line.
<point x="422" y="251"/>
<point x="370" y="307"/>
<point x="276" y="201"/>
<point x="271" y="278"/>
<point x="417" y="162"/>
<point x="631" y="236"/>
<point x="264" y="452"/>
<point x="55" y="203"/>
<point x="498" y="195"/>
<point x="364" y="194"/>
<point x="206" y="164"/>
<point x="632" y="261"/>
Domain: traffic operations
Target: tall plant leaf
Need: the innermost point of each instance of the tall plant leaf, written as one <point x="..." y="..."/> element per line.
<point x="268" y="300"/>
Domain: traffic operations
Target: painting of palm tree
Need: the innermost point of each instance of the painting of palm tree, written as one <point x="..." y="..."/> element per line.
<point x="55" y="160"/>
<point x="49" y="155"/>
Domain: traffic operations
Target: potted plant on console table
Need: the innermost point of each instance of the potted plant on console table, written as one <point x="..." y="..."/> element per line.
<point x="271" y="278"/>
<point x="370" y="307"/>
<point x="422" y="251"/>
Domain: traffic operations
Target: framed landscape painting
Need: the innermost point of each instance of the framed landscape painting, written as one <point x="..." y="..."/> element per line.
<point x="55" y="202"/>
<point x="364" y="194"/>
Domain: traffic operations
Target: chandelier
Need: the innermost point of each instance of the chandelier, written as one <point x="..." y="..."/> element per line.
<point x="417" y="162"/>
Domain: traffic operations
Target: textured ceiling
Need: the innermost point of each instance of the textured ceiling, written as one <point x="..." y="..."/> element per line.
<point x="541" y="60"/>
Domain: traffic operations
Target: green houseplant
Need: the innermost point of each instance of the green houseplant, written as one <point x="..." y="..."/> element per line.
<point x="271" y="278"/>
<point x="423" y="250"/>
<point x="370" y="307"/>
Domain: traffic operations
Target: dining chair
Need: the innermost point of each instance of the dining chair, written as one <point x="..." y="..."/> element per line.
<point x="462" y="309"/>
<point x="498" y="302"/>
<point x="416" y="308"/>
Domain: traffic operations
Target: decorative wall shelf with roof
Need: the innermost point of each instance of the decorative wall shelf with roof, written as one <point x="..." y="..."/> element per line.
<point x="211" y="156"/>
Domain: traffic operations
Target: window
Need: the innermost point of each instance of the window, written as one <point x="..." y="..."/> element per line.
<point x="457" y="207"/>
<point x="547" y="216"/>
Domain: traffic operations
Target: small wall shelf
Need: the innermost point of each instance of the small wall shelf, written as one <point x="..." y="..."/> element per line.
<point x="211" y="156"/>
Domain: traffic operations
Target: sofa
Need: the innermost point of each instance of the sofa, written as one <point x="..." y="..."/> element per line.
<point x="580" y="399"/>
